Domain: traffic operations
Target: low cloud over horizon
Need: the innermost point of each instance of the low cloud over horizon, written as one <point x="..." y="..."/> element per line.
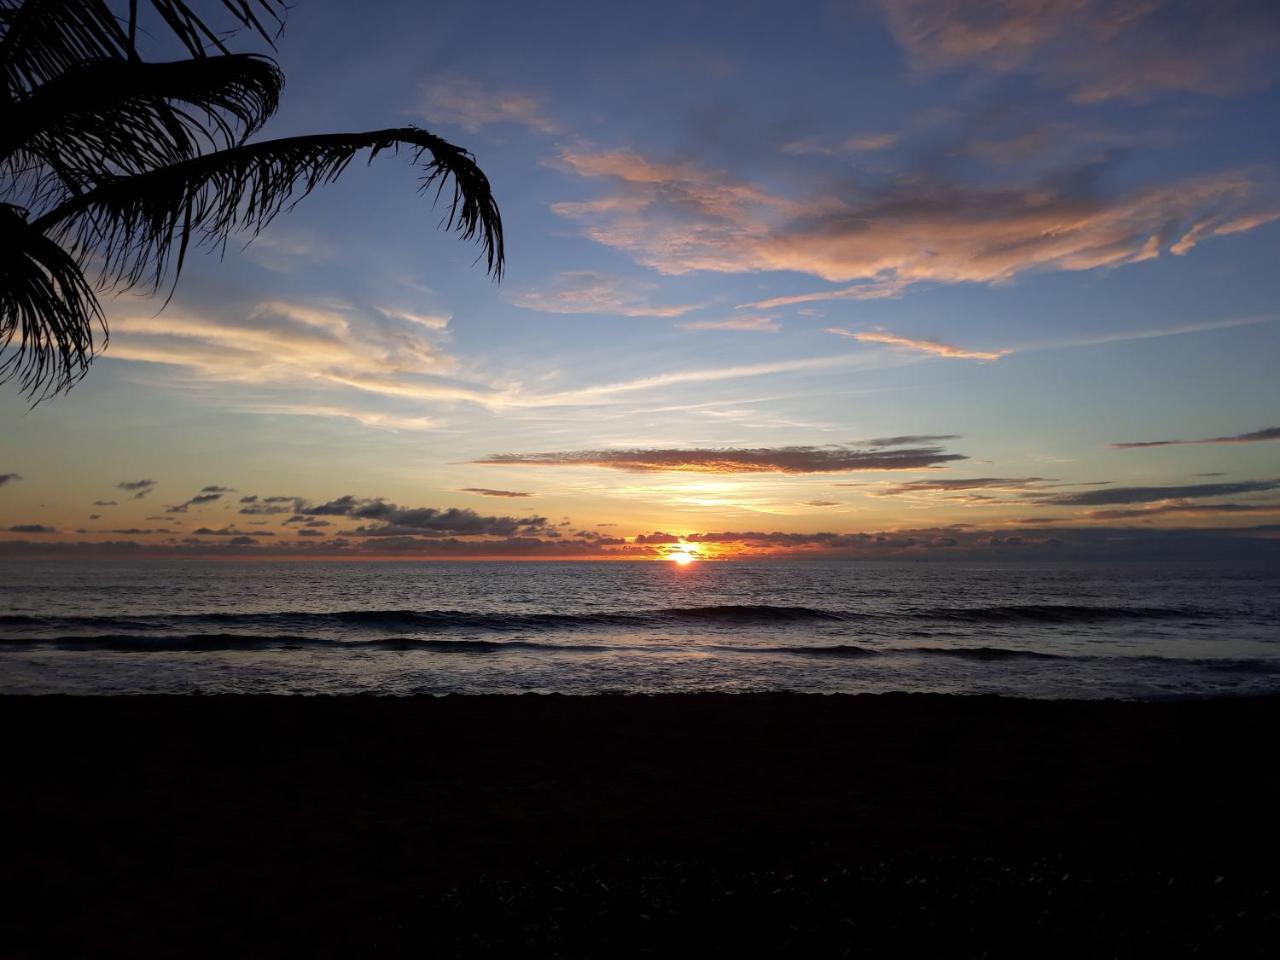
<point x="787" y="460"/>
<point x="1257" y="436"/>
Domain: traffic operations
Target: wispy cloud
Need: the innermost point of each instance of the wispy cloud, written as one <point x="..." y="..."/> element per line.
<point x="31" y="528"/>
<point x="954" y="484"/>
<point x="1257" y="436"/>
<point x="584" y="291"/>
<point x="1151" y="333"/>
<point x="872" y="290"/>
<point x="859" y="143"/>
<point x="677" y="218"/>
<point x="601" y="393"/>
<point x="199" y="500"/>
<point x="9" y="478"/>
<point x="1120" y="495"/>
<point x="139" y="488"/>
<point x="465" y="103"/>
<point x="786" y="460"/>
<point x="753" y="324"/>
<point x="489" y="492"/>
<point x="932" y="347"/>
<point x="1164" y="509"/>
<point x="906" y="439"/>
<point x="378" y="419"/>
<point x="1097" y="49"/>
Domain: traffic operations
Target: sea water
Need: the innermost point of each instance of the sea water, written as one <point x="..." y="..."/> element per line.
<point x="1134" y="630"/>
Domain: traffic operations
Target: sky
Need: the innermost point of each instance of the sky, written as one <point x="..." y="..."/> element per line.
<point x="886" y="278"/>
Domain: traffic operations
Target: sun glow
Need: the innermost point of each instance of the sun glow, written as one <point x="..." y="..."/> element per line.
<point x="681" y="558"/>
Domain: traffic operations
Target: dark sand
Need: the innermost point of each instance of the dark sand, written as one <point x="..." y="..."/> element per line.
<point x="607" y="826"/>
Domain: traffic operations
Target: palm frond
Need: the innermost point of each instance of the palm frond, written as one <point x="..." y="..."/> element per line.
<point x="42" y="39"/>
<point x="133" y="223"/>
<point x="196" y="35"/>
<point x="126" y="116"/>
<point x="48" y="311"/>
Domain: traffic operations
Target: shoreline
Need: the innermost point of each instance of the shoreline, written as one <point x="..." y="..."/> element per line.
<point x="145" y="818"/>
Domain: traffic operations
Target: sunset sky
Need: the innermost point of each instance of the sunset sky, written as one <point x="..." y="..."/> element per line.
<point x="884" y="278"/>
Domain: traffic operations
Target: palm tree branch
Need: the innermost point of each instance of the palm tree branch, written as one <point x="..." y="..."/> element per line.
<point x="133" y="222"/>
<point x="44" y="38"/>
<point x="134" y="116"/>
<point x="46" y="306"/>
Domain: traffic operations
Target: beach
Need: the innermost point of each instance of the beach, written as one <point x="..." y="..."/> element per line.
<point x="628" y="825"/>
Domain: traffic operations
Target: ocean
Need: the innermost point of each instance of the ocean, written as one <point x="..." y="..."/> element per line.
<point x="1136" y="630"/>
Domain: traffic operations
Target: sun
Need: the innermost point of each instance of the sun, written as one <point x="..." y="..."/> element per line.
<point x="682" y="558"/>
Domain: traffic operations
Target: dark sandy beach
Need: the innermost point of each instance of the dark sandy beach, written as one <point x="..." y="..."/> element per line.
<point x="617" y="825"/>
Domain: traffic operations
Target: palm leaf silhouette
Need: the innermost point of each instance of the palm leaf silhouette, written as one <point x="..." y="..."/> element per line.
<point x="119" y="164"/>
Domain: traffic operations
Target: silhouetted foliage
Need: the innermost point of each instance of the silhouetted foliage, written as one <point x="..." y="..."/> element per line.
<point x="113" y="165"/>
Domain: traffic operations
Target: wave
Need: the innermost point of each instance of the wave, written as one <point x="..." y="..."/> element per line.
<point x="1057" y="613"/>
<point x="989" y="653"/>
<point x="831" y="650"/>
<point x="218" y="642"/>
<point x="230" y="642"/>
<point x="440" y="619"/>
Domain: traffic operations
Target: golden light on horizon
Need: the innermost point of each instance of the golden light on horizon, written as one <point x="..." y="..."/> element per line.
<point x="682" y="558"/>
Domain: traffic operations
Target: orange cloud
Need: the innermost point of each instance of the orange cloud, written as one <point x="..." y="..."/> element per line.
<point x="923" y="346"/>
<point x="451" y="99"/>
<point x="679" y="218"/>
<point x="582" y="291"/>
<point x="753" y="324"/>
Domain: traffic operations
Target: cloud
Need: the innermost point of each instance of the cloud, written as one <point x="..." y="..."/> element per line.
<point x="435" y="322"/>
<point x="228" y="532"/>
<point x="790" y="460"/>
<point x="923" y="346"/>
<point x="139" y="488"/>
<point x="457" y="100"/>
<point x="678" y="218"/>
<point x="104" y="503"/>
<point x="214" y="488"/>
<point x="393" y="519"/>
<point x="31" y="528"/>
<point x="657" y="538"/>
<point x="1119" y="495"/>
<point x="1097" y="49"/>
<point x="821" y="503"/>
<point x="872" y="290"/>
<point x="487" y="492"/>
<point x="1257" y="436"/>
<point x="584" y="291"/>
<point x="293" y="344"/>
<point x="255" y="506"/>
<point x="9" y="478"/>
<point x="860" y="143"/>
<point x="908" y="439"/>
<point x="266" y="509"/>
<point x="1163" y="509"/>
<point x="199" y="500"/>
<point x="953" y="484"/>
<point x="1086" y="542"/>
<point x="753" y="324"/>
<point x="367" y="418"/>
